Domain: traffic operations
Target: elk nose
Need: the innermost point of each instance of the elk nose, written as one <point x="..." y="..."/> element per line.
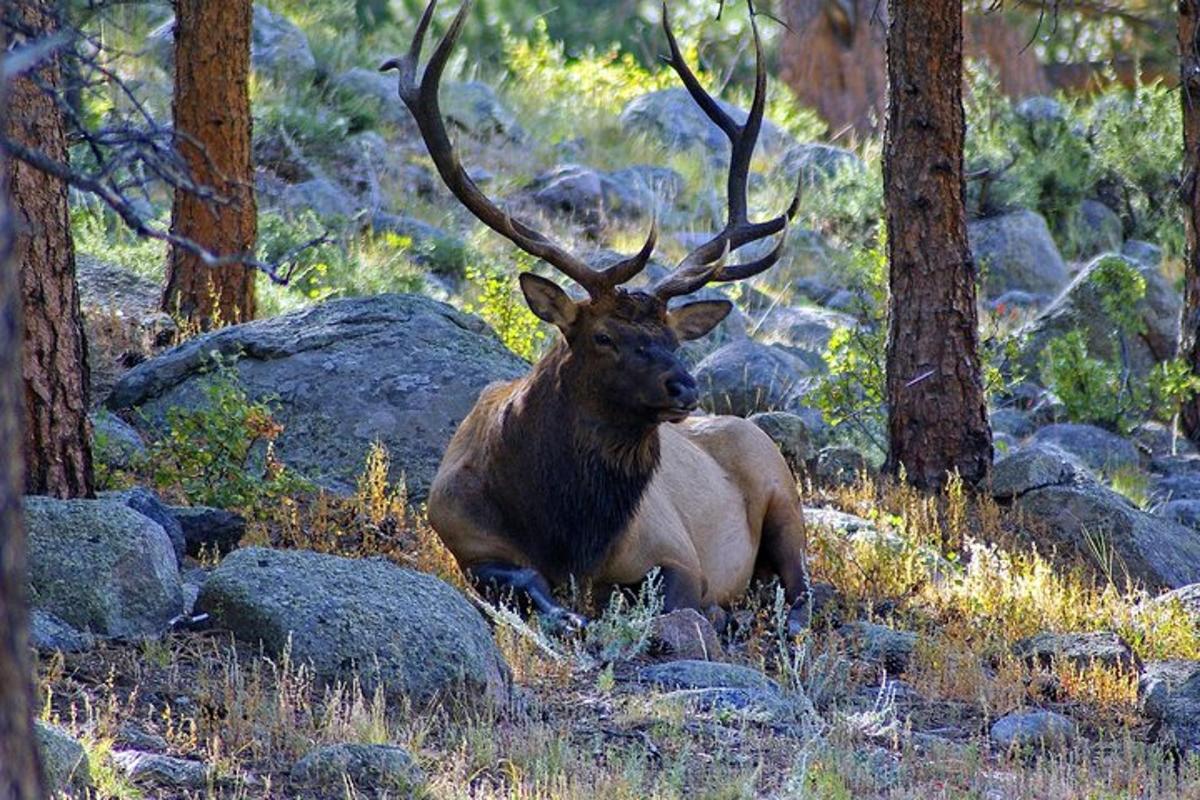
<point x="682" y="390"/>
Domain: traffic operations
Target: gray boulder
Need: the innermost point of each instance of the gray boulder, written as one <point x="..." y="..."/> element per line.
<point x="111" y="287"/>
<point x="645" y="188"/>
<point x="1081" y="649"/>
<point x="694" y="674"/>
<point x="1107" y="531"/>
<point x="277" y="46"/>
<point x="1159" y="441"/>
<point x="1144" y="253"/>
<point x="399" y="369"/>
<point x="1011" y="421"/>
<point x="1033" y="729"/>
<point x="790" y="434"/>
<point x="321" y="196"/>
<point x="841" y="465"/>
<point x="49" y="633"/>
<point x="1096" y="448"/>
<point x="375" y="92"/>
<point x="814" y="162"/>
<point x="745" y="377"/>
<point x="1170" y="694"/>
<point x="101" y="567"/>
<point x="1040" y="109"/>
<point x="410" y="633"/>
<point x="115" y="443"/>
<point x="1035" y="467"/>
<point x="1079" y="306"/>
<point x="1016" y="251"/>
<point x="64" y="762"/>
<point x="374" y="770"/>
<point x="1096" y="229"/>
<point x="1185" y="512"/>
<point x="672" y="117"/>
<point x="214" y="530"/>
<point x="474" y="108"/>
<point x="1188" y="598"/>
<point x="163" y="771"/>
<point x="594" y="197"/>
<point x="805" y="327"/>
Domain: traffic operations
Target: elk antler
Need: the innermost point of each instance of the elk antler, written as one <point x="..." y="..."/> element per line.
<point x="421" y="97"/>
<point x="706" y="264"/>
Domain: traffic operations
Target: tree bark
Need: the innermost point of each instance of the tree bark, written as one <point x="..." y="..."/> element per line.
<point x="20" y="773"/>
<point x="212" y="114"/>
<point x="833" y="58"/>
<point x="937" y="415"/>
<point x="57" y="448"/>
<point x="1189" y="81"/>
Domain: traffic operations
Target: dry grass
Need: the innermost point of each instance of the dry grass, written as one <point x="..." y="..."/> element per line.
<point x="953" y="568"/>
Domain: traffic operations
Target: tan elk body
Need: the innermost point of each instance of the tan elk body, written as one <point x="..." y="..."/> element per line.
<point x="590" y="467"/>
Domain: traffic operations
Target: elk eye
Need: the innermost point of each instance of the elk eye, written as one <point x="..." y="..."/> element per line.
<point x="603" y="339"/>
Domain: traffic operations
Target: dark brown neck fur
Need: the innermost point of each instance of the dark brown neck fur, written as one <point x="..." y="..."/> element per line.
<point x="573" y="473"/>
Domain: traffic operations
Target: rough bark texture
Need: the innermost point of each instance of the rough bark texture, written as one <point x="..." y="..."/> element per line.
<point x="833" y="58"/>
<point x="20" y="776"/>
<point x="1189" y="79"/>
<point x="937" y="417"/>
<point x="57" y="449"/>
<point x="212" y="106"/>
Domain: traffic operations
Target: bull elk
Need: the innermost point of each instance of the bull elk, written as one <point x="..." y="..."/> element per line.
<point x="590" y="467"/>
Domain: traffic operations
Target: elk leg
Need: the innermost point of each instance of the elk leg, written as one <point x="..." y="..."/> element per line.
<point x="494" y="578"/>
<point x="784" y="544"/>
<point x="684" y="588"/>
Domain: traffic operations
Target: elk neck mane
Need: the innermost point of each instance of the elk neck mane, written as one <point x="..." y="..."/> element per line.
<point x="573" y="474"/>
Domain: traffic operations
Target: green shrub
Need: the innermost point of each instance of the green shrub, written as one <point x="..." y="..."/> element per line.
<point x="220" y="453"/>
<point x="500" y="303"/>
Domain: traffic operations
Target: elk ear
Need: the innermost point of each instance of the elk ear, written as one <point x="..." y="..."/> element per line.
<point x="548" y="301"/>
<point x="693" y="320"/>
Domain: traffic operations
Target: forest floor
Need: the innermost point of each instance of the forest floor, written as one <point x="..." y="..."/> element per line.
<point x="583" y="725"/>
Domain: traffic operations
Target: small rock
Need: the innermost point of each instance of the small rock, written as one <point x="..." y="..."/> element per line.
<point x="1144" y="253"/>
<point x="474" y="108"/>
<point x="1011" y="421"/>
<point x="686" y="634"/>
<point x="115" y="443"/>
<point x="48" y="632"/>
<point x="841" y="465"/>
<point x="672" y="117"/>
<point x="1033" y="729"/>
<point x="64" y="762"/>
<point x="814" y="163"/>
<point x="160" y="770"/>
<point x="693" y="674"/>
<point x="374" y="770"/>
<point x="1187" y="596"/>
<point x="879" y="644"/>
<point x="132" y="736"/>
<point x="212" y="529"/>
<point x="1159" y="441"/>
<point x="1185" y="512"/>
<point x="1081" y="649"/>
<point x="321" y="196"/>
<point x="1040" y="109"/>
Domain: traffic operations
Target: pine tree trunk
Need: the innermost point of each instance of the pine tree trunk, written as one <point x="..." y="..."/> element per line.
<point x="212" y="107"/>
<point x="20" y="776"/>
<point x="937" y="416"/>
<point x="1189" y="81"/>
<point x="58" y="459"/>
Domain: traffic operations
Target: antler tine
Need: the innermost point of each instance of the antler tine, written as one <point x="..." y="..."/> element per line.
<point x="705" y="263"/>
<point x="421" y="97"/>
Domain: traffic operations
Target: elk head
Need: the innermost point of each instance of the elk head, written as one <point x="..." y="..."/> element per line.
<point x="621" y="341"/>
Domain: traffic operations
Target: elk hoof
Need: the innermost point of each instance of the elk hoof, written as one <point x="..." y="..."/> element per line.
<point x="800" y="617"/>
<point x="567" y="623"/>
